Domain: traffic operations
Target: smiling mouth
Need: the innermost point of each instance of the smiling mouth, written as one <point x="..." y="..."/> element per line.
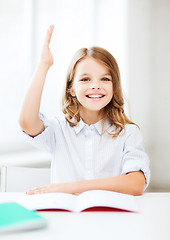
<point x="95" y="96"/>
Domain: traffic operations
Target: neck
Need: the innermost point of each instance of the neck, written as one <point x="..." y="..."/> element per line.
<point x="91" y="117"/>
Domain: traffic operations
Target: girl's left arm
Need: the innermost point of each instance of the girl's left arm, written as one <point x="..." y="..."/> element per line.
<point x="132" y="183"/>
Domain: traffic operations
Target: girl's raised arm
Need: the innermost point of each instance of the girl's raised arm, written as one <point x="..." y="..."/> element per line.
<point x="29" y="120"/>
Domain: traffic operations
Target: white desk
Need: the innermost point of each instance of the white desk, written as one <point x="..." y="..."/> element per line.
<point x="152" y="223"/>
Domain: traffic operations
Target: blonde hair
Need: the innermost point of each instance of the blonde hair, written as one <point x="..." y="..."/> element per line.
<point x="114" y="111"/>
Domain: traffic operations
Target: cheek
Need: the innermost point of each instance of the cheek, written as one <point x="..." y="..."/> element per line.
<point x="110" y="90"/>
<point x="81" y="94"/>
<point x="74" y="90"/>
<point x="80" y="90"/>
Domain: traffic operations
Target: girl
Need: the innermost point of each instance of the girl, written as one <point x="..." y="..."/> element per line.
<point x="93" y="144"/>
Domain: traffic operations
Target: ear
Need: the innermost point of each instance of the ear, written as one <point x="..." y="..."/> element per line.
<point x="72" y="92"/>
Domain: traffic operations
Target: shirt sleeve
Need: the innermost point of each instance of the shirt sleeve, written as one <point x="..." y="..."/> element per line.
<point x="134" y="156"/>
<point x="45" y="140"/>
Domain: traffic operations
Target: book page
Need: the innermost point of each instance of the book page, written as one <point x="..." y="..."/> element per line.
<point x="63" y="201"/>
<point x="103" y="198"/>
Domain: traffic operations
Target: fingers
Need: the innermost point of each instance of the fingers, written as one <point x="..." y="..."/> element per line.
<point x="49" y="33"/>
<point x="38" y="190"/>
<point x="55" y="187"/>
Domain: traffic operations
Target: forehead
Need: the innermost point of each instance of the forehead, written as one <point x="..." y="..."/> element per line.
<point x="91" y="66"/>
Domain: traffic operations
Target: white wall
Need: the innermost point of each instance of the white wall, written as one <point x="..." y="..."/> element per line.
<point x="149" y="72"/>
<point x="160" y="101"/>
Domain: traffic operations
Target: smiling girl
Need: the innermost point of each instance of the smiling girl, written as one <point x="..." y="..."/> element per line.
<point x="92" y="143"/>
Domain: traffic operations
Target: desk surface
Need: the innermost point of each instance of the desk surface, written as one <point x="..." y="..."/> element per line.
<point x="152" y="222"/>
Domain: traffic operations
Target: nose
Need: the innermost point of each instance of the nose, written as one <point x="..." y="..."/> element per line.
<point x="95" y="88"/>
<point x="95" y="85"/>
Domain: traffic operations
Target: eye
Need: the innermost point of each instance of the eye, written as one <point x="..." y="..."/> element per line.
<point x="84" y="79"/>
<point x="106" y="79"/>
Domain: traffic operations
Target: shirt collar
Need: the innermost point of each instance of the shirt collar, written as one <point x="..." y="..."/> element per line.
<point x="97" y="125"/>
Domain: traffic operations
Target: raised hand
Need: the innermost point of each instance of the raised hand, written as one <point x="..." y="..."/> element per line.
<point x="29" y="117"/>
<point x="46" y="55"/>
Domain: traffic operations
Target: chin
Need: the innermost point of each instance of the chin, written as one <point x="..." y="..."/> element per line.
<point x="95" y="109"/>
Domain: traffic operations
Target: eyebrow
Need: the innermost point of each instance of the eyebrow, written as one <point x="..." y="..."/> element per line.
<point x="87" y="74"/>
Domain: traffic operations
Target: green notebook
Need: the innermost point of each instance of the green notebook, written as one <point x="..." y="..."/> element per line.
<point x="14" y="217"/>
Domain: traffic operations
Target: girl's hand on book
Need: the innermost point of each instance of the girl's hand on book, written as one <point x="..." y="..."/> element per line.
<point x="57" y="187"/>
<point x="46" y="55"/>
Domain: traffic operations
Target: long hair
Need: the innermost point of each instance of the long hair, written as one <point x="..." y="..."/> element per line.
<point x="114" y="111"/>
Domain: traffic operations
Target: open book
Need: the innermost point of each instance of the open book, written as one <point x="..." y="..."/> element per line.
<point x="77" y="203"/>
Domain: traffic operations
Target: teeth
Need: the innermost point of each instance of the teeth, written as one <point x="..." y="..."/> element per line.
<point x="95" y="96"/>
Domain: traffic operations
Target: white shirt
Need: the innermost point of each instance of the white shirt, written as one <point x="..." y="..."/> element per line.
<point x="83" y="152"/>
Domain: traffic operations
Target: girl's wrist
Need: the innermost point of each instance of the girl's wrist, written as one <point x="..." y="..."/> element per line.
<point x="79" y="186"/>
<point x="44" y="65"/>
